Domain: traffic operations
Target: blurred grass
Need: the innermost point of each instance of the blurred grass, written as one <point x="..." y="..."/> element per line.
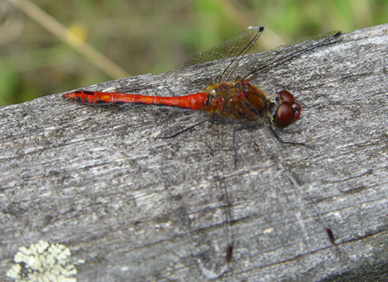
<point x="139" y="36"/>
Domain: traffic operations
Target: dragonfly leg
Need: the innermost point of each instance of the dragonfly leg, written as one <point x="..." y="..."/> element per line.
<point x="185" y="129"/>
<point x="234" y="140"/>
<point x="192" y="126"/>
<point x="273" y="132"/>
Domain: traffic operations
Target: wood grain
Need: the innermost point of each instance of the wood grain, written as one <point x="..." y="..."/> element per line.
<point x="137" y="207"/>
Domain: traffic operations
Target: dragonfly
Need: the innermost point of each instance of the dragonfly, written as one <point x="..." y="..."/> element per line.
<point x="228" y="99"/>
<point x="237" y="100"/>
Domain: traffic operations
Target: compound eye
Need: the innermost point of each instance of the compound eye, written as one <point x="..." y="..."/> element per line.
<point x="286" y="114"/>
<point x="286" y="96"/>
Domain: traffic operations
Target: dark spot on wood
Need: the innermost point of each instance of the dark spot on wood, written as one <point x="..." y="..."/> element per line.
<point x="331" y="236"/>
<point x="229" y="251"/>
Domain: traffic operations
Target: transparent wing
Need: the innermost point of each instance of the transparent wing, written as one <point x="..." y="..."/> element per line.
<point x="234" y="47"/>
<point x="291" y="51"/>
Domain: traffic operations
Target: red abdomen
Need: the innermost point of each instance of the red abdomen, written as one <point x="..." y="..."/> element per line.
<point x="196" y="101"/>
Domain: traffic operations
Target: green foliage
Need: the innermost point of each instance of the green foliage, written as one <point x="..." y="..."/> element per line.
<point x="154" y="36"/>
<point x="8" y="83"/>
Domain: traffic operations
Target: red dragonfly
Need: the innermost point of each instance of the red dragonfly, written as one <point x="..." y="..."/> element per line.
<point x="231" y="99"/>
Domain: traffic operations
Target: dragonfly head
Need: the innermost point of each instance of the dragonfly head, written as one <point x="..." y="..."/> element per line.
<point x="287" y="110"/>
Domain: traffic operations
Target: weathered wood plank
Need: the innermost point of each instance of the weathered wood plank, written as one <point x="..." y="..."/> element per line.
<point x="100" y="181"/>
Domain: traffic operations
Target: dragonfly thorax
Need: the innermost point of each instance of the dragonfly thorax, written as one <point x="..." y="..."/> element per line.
<point x="239" y="100"/>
